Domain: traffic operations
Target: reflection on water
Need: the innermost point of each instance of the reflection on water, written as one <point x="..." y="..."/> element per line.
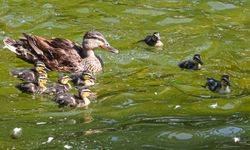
<point x="144" y="101"/>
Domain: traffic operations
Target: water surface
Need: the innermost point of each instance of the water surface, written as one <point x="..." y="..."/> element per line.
<point x="144" y="100"/>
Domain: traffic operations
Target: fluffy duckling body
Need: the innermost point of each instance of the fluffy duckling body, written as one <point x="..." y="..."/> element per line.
<point x="30" y="74"/>
<point x="83" y="79"/>
<point x="80" y="100"/>
<point x="153" y="40"/>
<point x="62" y="54"/>
<point x="37" y="87"/>
<point x="61" y="86"/>
<point x="194" y="64"/>
<point x="222" y="86"/>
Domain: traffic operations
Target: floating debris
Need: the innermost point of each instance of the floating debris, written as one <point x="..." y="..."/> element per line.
<point x="67" y="146"/>
<point x="16" y="133"/>
<point x="236" y="139"/>
<point x="214" y="105"/>
<point x="177" y="106"/>
<point x="41" y="123"/>
<point x="49" y="140"/>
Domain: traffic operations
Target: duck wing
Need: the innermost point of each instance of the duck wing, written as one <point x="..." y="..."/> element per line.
<point x="24" y="74"/>
<point x="188" y="64"/>
<point x="58" y="54"/>
<point x="65" y="100"/>
<point x="213" y="84"/>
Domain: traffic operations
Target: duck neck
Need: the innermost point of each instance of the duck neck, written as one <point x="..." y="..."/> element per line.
<point x="86" y="100"/>
<point x="90" y="53"/>
<point x="87" y="53"/>
<point x="43" y="87"/>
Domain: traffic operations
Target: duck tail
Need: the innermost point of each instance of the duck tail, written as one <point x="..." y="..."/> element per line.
<point x="139" y="41"/>
<point x="21" y="48"/>
<point x="11" y="45"/>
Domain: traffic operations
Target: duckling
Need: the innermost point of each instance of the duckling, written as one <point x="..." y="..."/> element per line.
<point x="86" y="78"/>
<point x="194" y="64"/>
<point x="30" y="74"/>
<point x="37" y="87"/>
<point x="222" y="86"/>
<point x="61" y="54"/>
<point x="81" y="100"/>
<point x="153" y="40"/>
<point x="61" y="86"/>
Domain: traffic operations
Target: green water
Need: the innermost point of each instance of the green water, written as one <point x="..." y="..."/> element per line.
<point x="144" y="100"/>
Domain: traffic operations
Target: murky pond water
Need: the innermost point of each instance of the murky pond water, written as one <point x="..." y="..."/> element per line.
<point x="144" y="100"/>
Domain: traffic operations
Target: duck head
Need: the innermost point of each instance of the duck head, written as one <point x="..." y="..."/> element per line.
<point x="197" y="59"/>
<point x="94" y="39"/>
<point x="42" y="81"/>
<point x="40" y="67"/>
<point x="88" y="77"/>
<point x="64" y="79"/>
<point x="84" y="93"/>
<point x="156" y="36"/>
<point x="225" y="81"/>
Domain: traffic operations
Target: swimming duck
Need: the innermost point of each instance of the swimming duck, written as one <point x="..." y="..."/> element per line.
<point x="37" y="87"/>
<point x="194" y="64"/>
<point x="30" y="74"/>
<point x="153" y="40"/>
<point x="85" y="78"/>
<point x="222" y="86"/>
<point x="81" y="100"/>
<point x="61" y="86"/>
<point x="61" y="54"/>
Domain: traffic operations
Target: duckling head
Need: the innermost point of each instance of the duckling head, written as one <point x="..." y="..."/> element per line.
<point x="42" y="80"/>
<point x="64" y="79"/>
<point x="156" y="36"/>
<point x="88" y="78"/>
<point x="84" y="93"/>
<point x="40" y="67"/>
<point x="197" y="59"/>
<point x="225" y="80"/>
<point x="94" y="39"/>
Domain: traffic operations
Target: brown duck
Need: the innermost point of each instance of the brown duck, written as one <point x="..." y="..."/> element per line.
<point x="61" y="54"/>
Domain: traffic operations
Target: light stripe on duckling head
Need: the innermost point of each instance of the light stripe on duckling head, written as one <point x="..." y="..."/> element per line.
<point x="84" y="92"/>
<point x="156" y="36"/>
<point x="63" y="79"/>
<point x="87" y="75"/>
<point x="225" y="80"/>
<point x="197" y="57"/>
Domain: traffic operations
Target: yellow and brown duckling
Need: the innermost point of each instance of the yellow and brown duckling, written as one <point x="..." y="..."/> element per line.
<point x="62" y="54"/>
<point x="222" y="86"/>
<point x="61" y="86"/>
<point x="80" y="100"/>
<point x="85" y="78"/>
<point x="30" y="74"/>
<point x="153" y="40"/>
<point x="37" y="87"/>
<point x="194" y="64"/>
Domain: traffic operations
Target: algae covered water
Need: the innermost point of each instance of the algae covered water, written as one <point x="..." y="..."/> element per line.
<point x="144" y="100"/>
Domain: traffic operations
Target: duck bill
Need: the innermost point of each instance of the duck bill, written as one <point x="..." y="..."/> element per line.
<point x="112" y="49"/>
<point x="227" y="81"/>
<point x="47" y="69"/>
<point x="201" y="62"/>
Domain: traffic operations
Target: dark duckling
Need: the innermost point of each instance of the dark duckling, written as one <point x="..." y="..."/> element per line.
<point x="37" y="87"/>
<point x="153" y="40"/>
<point x="61" y="86"/>
<point x="30" y="74"/>
<point x="85" y="78"/>
<point x="222" y="86"/>
<point x="80" y="100"/>
<point x="194" y="64"/>
<point x="61" y="54"/>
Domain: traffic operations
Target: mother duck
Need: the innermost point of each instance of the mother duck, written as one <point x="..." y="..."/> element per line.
<point x="61" y="54"/>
